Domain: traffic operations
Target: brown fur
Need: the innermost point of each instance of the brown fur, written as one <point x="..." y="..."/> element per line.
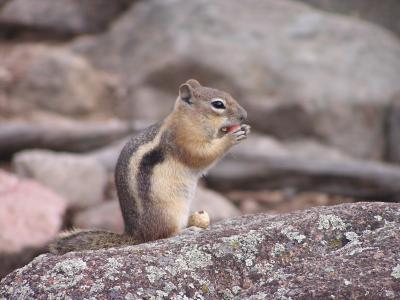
<point x="158" y="170"/>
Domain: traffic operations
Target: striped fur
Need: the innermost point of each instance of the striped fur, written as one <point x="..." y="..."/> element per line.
<point x="158" y="170"/>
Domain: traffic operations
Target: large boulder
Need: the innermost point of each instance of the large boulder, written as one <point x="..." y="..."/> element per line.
<point x="297" y="70"/>
<point x="384" y="12"/>
<point x="393" y="136"/>
<point x="265" y="163"/>
<point x="60" y="134"/>
<point x="281" y="201"/>
<point x="37" y="77"/>
<point x="81" y="180"/>
<point x="65" y="17"/>
<point x="348" y="251"/>
<point x="30" y="216"/>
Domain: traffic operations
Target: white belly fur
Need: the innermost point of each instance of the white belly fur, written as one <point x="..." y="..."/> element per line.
<point x="173" y="187"/>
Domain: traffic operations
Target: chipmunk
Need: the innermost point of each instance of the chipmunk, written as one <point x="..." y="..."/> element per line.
<point x="158" y="170"/>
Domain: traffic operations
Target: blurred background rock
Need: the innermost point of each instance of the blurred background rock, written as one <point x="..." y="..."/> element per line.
<point x="320" y="80"/>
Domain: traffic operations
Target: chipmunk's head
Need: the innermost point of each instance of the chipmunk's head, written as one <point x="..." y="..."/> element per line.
<point x="216" y="110"/>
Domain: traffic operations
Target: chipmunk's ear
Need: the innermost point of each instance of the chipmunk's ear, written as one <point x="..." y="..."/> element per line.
<point x="185" y="93"/>
<point x="186" y="90"/>
<point x="193" y="83"/>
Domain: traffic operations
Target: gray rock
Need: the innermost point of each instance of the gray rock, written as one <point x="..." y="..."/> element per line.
<point x="60" y="135"/>
<point x="55" y="79"/>
<point x="384" y="12"/>
<point x="264" y="163"/>
<point x="348" y="251"/>
<point x="63" y="16"/>
<point x="81" y="180"/>
<point x="393" y="130"/>
<point x="298" y="71"/>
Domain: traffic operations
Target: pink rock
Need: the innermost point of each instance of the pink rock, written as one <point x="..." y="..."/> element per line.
<point x="30" y="214"/>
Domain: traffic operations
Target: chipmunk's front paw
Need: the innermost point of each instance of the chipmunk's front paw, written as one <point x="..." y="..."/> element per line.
<point x="241" y="133"/>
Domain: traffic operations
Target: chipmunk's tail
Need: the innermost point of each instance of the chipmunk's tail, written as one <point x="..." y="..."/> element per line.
<point x="81" y="240"/>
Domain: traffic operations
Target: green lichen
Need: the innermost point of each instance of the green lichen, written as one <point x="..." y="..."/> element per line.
<point x="23" y="292"/>
<point x="96" y="287"/>
<point x="389" y="294"/>
<point x="331" y="222"/>
<point x="352" y="237"/>
<point x="161" y="295"/>
<point x="169" y="287"/>
<point x="65" y="274"/>
<point x="70" y="267"/>
<point x="396" y="272"/>
<point x="244" y="248"/>
<point x="278" y="275"/>
<point x="235" y="244"/>
<point x="292" y="234"/>
<point x="347" y="282"/>
<point x="329" y="270"/>
<point x="227" y="294"/>
<point x="336" y="243"/>
<point x="248" y="262"/>
<point x="112" y="267"/>
<point x="259" y="296"/>
<point x="204" y="289"/>
<point x="154" y="273"/>
<point x="129" y="296"/>
<point x="190" y="259"/>
<point x="236" y="289"/>
<point x="281" y="294"/>
<point x="264" y="267"/>
<point x="278" y="250"/>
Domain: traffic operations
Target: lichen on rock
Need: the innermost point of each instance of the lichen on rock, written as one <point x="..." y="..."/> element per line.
<point x="248" y="257"/>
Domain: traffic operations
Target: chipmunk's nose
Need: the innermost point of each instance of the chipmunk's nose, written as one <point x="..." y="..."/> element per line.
<point x="242" y="114"/>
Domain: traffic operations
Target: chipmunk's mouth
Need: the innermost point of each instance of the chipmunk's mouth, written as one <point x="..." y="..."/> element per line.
<point x="230" y="128"/>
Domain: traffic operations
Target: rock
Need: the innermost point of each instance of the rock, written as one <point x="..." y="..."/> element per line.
<point x="81" y="180"/>
<point x="264" y="146"/>
<point x="385" y="13"/>
<point x="349" y="251"/>
<point x="393" y="127"/>
<point x="249" y="206"/>
<point x="287" y="68"/>
<point x="105" y="216"/>
<point x="216" y="205"/>
<point x="61" y="135"/>
<point x="54" y="79"/>
<point x="64" y="17"/>
<point x="282" y="201"/>
<point x="30" y="216"/>
<point x="146" y="103"/>
<point x="255" y="164"/>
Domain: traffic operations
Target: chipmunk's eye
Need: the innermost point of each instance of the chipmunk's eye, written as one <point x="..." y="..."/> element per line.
<point x="218" y="104"/>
